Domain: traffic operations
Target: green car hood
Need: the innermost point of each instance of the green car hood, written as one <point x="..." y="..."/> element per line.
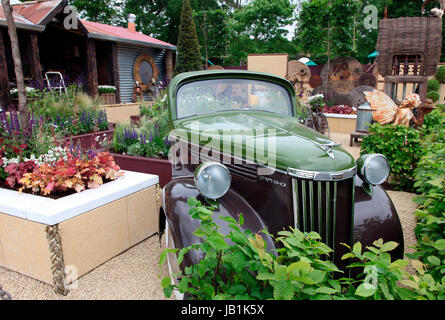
<point x="296" y="146"/>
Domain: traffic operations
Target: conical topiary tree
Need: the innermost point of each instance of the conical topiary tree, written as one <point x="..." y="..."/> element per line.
<point x="189" y="58"/>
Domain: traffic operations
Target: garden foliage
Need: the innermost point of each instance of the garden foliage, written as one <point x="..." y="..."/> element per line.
<point x="401" y="146"/>
<point x="189" y="57"/>
<point x="430" y="183"/>
<point x="239" y="265"/>
<point x="148" y="139"/>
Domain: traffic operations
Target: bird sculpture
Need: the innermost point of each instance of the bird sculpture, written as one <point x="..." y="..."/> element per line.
<point x="384" y="109"/>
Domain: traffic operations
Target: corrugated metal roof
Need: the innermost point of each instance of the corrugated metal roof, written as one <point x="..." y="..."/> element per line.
<point x="123" y="35"/>
<point x="32" y="16"/>
<point x="126" y="57"/>
<point x="32" y="12"/>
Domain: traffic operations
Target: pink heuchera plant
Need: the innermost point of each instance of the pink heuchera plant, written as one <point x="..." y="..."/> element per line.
<point x="73" y="173"/>
<point x="17" y="171"/>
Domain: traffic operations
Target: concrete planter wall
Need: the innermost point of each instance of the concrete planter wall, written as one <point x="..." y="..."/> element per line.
<point x="159" y="167"/>
<point x="341" y="123"/>
<point x="41" y="237"/>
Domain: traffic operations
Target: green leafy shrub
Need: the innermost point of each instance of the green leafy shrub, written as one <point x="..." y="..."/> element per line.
<point x="401" y="146"/>
<point x="434" y="121"/>
<point x="433" y="95"/>
<point x="430" y="183"/>
<point x="238" y="265"/>
<point x="433" y="85"/>
<point x="440" y="75"/>
<point x="150" y="138"/>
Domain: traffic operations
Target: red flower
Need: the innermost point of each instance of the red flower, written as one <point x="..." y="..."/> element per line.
<point x="16" y="150"/>
<point x="23" y="146"/>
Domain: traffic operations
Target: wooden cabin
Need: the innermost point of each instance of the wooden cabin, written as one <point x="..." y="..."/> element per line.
<point x="410" y="50"/>
<point x="82" y="51"/>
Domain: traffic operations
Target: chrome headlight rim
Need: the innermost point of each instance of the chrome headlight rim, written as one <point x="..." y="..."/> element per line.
<point x="201" y="168"/>
<point x="367" y="158"/>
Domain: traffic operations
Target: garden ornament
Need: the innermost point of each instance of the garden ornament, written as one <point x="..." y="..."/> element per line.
<point x="386" y="111"/>
<point x="299" y="75"/>
<point x="137" y="93"/>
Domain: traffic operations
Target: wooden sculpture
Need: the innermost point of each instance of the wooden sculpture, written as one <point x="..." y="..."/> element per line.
<point x="384" y="109"/>
<point x="299" y="75"/>
<point x="137" y="93"/>
<point x="346" y="82"/>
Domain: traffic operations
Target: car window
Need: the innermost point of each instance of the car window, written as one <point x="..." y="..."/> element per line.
<point x="215" y="95"/>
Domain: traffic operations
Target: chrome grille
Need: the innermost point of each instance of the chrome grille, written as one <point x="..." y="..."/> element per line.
<point x="321" y="205"/>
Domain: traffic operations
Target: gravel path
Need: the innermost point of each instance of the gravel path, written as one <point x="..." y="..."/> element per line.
<point x="135" y="274"/>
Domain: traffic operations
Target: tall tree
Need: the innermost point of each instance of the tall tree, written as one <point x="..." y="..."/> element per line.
<point x="326" y="28"/>
<point x="104" y="11"/>
<point x="189" y="57"/>
<point x="18" y="69"/>
<point x="260" y="27"/>
<point x="161" y="18"/>
<point x="213" y="32"/>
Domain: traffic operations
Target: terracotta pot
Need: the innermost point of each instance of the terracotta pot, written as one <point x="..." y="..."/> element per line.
<point x="159" y="167"/>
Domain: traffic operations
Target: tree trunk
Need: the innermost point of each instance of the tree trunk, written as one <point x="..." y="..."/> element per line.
<point x="12" y="31"/>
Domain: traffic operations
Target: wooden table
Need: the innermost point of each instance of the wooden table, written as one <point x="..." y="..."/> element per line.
<point x="355" y="136"/>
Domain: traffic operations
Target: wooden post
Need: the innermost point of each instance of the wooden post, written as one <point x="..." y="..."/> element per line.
<point x="93" y="85"/>
<point x="169" y="65"/>
<point x="36" y="67"/>
<point x="4" y="78"/>
<point x="115" y="71"/>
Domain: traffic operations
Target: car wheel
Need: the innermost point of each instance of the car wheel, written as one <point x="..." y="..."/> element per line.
<point x="172" y="262"/>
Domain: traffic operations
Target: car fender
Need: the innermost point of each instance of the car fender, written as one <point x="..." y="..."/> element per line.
<point x="182" y="225"/>
<point x="376" y="217"/>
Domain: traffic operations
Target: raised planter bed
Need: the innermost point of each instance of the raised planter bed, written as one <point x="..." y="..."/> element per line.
<point x="108" y="98"/>
<point x="88" y="141"/>
<point x="159" y="167"/>
<point x="341" y="123"/>
<point x="42" y="237"/>
<point x="121" y="113"/>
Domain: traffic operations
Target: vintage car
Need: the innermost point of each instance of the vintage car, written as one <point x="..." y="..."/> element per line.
<point x="237" y="139"/>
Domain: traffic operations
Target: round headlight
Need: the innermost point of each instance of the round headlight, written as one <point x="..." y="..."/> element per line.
<point x="212" y="180"/>
<point x="374" y="168"/>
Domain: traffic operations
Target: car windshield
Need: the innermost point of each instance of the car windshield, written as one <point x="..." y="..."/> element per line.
<point x="216" y="95"/>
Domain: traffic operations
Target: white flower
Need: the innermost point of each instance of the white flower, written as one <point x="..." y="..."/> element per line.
<point x="317" y="96"/>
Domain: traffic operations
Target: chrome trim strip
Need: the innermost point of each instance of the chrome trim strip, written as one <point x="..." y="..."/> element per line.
<point x="328" y="213"/>
<point x="351" y="239"/>
<point x="303" y="196"/>
<point x="334" y="213"/>
<point x="311" y="205"/>
<point x="296" y="203"/>
<point x="322" y="175"/>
